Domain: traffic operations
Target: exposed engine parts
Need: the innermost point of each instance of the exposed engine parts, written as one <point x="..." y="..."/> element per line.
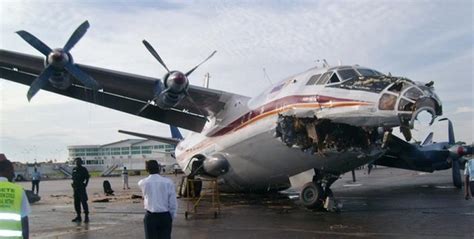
<point x="315" y="135"/>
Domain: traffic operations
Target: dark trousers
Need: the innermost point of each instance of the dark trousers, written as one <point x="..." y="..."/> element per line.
<point x="158" y="225"/>
<point x="80" y="197"/>
<point x="35" y="184"/>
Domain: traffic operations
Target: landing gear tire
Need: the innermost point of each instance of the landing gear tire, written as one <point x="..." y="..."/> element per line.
<point x="311" y="195"/>
<point x="457" y="181"/>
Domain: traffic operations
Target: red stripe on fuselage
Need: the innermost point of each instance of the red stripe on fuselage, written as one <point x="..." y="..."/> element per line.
<point x="283" y="103"/>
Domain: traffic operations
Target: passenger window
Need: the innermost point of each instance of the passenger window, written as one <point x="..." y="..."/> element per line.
<point x="347" y="74"/>
<point x="333" y="79"/>
<point x="324" y="78"/>
<point x="313" y="79"/>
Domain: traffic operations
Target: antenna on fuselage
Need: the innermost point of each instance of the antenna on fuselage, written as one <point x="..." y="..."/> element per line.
<point x="207" y="76"/>
<point x="266" y="76"/>
<point x="325" y="63"/>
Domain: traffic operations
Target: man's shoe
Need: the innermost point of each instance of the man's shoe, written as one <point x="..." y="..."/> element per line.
<point x="77" y="219"/>
<point x="86" y="220"/>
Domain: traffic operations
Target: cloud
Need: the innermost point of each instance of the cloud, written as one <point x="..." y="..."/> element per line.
<point x="464" y="109"/>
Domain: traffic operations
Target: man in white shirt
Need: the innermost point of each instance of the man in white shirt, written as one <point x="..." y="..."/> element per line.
<point x="13" y="221"/>
<point x="469" y="173"/>
<point x="160" y="203"/>
<point x="125" y="178"/>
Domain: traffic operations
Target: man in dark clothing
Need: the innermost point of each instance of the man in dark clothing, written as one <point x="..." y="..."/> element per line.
<point x="80" y="179"/>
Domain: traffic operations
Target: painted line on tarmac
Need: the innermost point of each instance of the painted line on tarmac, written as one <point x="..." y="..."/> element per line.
<point x="353" y="185"/>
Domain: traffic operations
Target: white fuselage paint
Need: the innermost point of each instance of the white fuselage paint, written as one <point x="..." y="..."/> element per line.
<point x="259" y="160"/>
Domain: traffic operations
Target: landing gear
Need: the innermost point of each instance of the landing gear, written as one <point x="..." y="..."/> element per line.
<point x="317" y="194"/>
<point x="312" y="195"/>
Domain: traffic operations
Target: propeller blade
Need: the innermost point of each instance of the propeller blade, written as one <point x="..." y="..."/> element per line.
<point x="76" y="36"/>
<point x="457" y="181"/>
<point x="85" y="79"/>
<point x="35" y="42"/>
<point x="155" y="54"/>
<point x="147" y="104"/>
<point x="452" y="140"/>
<point x="209" y="57"/>
<point x="39" y="82"/>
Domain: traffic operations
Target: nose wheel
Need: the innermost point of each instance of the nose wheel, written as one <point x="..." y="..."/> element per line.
<point x="317" y="194"/>
<point x="312" y="195"/>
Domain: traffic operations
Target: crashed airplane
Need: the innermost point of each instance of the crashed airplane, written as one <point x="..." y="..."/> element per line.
<point x="325" y="121"/>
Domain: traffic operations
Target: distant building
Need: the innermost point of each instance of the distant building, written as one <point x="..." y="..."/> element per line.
<point x="130" y="153"/>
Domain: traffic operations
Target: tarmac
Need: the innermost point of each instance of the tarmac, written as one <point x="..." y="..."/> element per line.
<point x="388" y="203"/>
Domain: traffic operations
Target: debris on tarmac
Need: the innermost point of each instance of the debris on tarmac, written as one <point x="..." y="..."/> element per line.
<point x="134" y="196"/>
<point x="101" y="200"/>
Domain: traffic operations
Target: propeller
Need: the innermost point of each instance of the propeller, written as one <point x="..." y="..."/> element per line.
<point x="175" y="81"/>
<point x="58" y="60"/>
<point x="456" y="152"/>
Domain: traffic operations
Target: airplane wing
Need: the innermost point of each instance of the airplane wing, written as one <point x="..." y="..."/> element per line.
<point x="121" y="91"/>
<point x="400" y="154"/>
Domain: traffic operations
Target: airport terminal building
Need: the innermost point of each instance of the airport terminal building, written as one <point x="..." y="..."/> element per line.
<point x="130" y="153"/>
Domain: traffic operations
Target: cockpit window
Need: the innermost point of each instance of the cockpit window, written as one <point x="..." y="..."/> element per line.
<point x="368" y="72"/>
<point x="334" y="79"/>
<point x="347" y="74"/>
<point x="387" y="102"/>
<point x="396" y="87"/>
<point x="313" y="79"/>
<point x="405" y="105"/>
<point x="324" y="78"/>
<point x="413" y="93"/>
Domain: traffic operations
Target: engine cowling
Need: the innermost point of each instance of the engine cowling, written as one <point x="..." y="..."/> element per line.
<point x="60" y="80"/>
<point x="176" y="85"/>
<point x="58" y="58"/>
<point x="216" y="165"/>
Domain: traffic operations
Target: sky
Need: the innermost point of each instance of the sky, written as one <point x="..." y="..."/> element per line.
<point x="421" y="40"/>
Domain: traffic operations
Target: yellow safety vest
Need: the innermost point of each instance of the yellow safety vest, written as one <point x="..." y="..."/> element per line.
<point x="10" y="210"/>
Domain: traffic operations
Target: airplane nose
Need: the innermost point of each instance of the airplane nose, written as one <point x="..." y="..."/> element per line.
<point x="414" y="100"/>
<point x="428" y="104"/>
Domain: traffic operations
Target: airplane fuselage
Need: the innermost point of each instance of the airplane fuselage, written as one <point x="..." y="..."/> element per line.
<point x="260" y="160"/>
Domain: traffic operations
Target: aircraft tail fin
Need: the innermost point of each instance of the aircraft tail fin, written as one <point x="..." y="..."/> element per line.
<point x="172" y="141"/>
<point x="175" y="134"/>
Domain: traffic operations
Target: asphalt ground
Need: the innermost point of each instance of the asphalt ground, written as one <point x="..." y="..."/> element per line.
<point x="388" y="203"/>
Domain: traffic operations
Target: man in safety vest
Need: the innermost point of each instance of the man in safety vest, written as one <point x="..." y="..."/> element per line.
<point x="14" y="206"/>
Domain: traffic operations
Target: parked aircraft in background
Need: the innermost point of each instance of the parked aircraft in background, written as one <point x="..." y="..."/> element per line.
<point x="326" y="120"/>
<point x="427" y="156"/>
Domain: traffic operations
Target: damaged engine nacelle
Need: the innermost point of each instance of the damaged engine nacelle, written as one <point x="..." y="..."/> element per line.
<point x="316" y="135"/>
<point x="176" y="85"/>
